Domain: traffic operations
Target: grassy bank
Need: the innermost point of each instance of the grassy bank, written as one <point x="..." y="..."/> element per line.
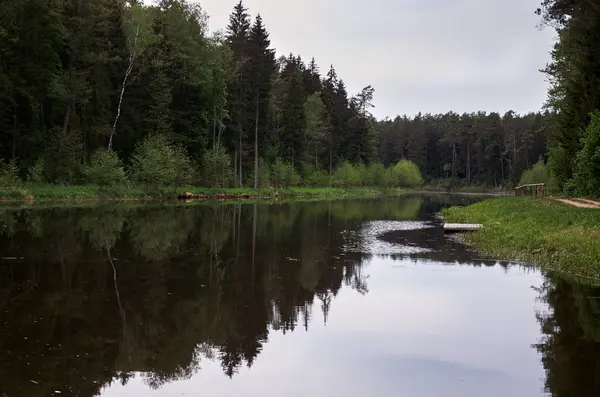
<point x="82" y="193"/>
<point x="547" y="233"/>
<point x="459" y="186"/>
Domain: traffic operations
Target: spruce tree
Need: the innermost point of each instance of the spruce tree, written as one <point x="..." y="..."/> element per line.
<point x="261" y="68"/>
<point x="240" y="90"/>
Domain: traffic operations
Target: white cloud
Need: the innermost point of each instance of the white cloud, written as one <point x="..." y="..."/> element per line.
<point x="427" y="55"/>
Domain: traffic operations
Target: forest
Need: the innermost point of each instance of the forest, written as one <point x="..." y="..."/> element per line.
<point x="116" y="92"/>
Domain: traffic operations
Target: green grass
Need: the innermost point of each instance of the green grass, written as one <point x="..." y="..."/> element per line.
<point x="97" y="193"/>
<point x="546" y="233"/>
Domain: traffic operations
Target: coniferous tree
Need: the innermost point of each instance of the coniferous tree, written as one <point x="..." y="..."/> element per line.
<point x="574" y="78"/>
<point x="238" y="32"/>
<point x="262" y="66"/>
<point x="292" y="145"/>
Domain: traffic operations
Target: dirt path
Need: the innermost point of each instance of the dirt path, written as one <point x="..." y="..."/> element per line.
<point x="581" y="203"/>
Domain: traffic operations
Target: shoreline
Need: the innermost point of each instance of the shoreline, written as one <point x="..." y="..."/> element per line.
<point x="89" y="193"/>
<point x="544" y="233"/>
<point x="52" y="193"/>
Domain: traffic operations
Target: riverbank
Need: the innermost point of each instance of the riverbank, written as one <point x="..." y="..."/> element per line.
<point x="547" y="233"/>
<point x="46" y="193"/>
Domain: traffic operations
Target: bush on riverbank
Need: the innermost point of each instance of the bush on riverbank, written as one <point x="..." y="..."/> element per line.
<point x="105" y="169"/>
<point x="159" y="163"/>
<point x="539" y="173"/>
<point x="543" y="232"/>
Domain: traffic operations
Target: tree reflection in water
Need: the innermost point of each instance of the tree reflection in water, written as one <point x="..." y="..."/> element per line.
<point x="90" y="296"/>
<point x="570" y="345"/>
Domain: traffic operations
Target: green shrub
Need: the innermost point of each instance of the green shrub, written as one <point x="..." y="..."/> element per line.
<point x="346" y="175"/>
<point x="9" y="173"/>
<point x="105" y="169"/>
<point x="284" y="174"/>
<point x="539" y="173"/>
<point x="366" y="179"/>
<point x="62" y="156"/>
<point x="587" y="165"/>
<point x="158" y="162"/>
<point x="317" y="178"/>
<point x="217" y="170"/>
<point x="390" y="178"/>
<point x="36" y="171"/>
<point x="378" y="175"/>
<point x="408" y="174"/>
<point x="264" y="175"/>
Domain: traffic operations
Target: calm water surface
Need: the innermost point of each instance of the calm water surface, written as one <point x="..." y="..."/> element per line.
<point x="345" y="298"/>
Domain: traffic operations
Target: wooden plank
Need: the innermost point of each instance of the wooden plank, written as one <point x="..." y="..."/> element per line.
<point x="461" y="227"/>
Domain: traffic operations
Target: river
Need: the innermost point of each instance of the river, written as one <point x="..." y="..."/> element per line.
<point x="326" y="298"/>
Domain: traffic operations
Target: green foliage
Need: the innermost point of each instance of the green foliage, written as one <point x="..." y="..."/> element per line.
<point x="217" y="170"/>
<point x="539" y="173"/>
<point x="35" y="172"/>
<point x="379" y="175"/>
<point x="346" y="175"/>
<point x="158" y="162"/>
<point x="587" y="166"/>
<point x="408" y="174"/>
<point x="284" y="174"/>
<point x="105" y="169"/>
<point x="264" y="174"/>
<point x="62" y="157"/>
<point x="317" y="178"/>
<point x="9" y="173"/>
<point x="75" y="74"/>
<point x="573" y="92"/>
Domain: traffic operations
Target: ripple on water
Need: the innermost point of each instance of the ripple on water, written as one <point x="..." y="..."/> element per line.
<point x="366" y="239"/>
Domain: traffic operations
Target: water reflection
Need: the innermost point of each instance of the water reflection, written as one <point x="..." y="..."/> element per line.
<point x="570" y="345"/>
<point x="93" y="297"/>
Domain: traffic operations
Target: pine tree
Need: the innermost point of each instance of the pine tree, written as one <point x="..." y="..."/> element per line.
<point x="240" y="93"/>
<point x="293" y="122"/>
<point x="261" y="68"/>
<point x="312" y="78"/>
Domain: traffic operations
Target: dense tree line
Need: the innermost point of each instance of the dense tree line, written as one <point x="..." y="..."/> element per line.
<point x="574" y="73"/>
<point x="483" y="148"/>
<point x="78" y="76"/>
<point x="119" y="84"/>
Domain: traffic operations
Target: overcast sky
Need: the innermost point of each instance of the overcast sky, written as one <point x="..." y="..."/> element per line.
<point x="419" y="55"/>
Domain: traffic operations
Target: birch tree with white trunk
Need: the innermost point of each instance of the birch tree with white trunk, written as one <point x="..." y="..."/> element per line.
<point x="136" y="28"/>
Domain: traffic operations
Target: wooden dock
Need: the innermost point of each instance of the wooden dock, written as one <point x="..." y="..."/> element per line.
<point x="461" y="227"/>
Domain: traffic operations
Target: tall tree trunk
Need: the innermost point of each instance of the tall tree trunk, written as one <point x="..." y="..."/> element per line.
<point x="240" y="161"/>
<point x="454" y="160"/>
<point x="214" y="137"/>
<point x="468" y="162"/>
<point x="67" y="118"/>
<point x="220" y="127"/>
<point x="330" y="164"/>
<point x="501" y="166"/>
<point x="254" y="219"/>
<point x="14" y="135"/>
<point x="240" y="122"/>
<point x="132" y="57"/>
<point x="235" y="167"/>
<point x="256" y="145"/>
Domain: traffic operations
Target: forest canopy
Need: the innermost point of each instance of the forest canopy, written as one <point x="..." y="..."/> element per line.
<point x="78" y="78"/>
